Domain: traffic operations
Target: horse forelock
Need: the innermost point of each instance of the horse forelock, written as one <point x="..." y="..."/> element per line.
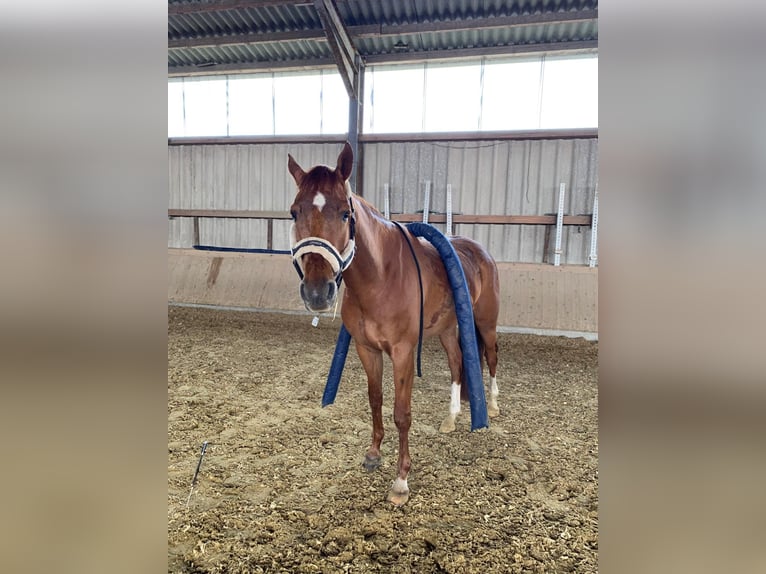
<point x="324" y="180"/>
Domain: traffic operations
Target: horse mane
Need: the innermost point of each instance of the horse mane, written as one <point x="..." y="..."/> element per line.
<point x="367" y="205"/>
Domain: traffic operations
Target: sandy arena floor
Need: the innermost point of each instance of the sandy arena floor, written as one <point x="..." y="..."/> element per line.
<point x="282" y="488"/>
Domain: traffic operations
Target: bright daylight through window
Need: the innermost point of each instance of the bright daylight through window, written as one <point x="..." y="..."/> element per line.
<point x="545" y="92"/>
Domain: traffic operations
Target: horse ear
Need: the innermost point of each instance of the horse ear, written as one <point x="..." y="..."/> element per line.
<point x="345" y="162"/>
<point x="296" y="170"/>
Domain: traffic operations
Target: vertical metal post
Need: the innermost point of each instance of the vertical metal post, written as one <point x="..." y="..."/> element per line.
<point x="386" y="201"/>
<point x="195" y="231"/>
<point x="426" y="201"/>
<point x="593" y="257"/>
<point x="355" y="118"/>
<point x="559" y="225"/>
<point x="353" y="139"/>
<point x="449" y="210"/>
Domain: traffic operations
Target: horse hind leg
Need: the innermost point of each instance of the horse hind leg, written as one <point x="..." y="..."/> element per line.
<point x="451" y="345"/>
<point x="489" y="339"/>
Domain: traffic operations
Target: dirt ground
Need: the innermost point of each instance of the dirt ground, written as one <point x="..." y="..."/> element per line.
<point x="282" y="488"/>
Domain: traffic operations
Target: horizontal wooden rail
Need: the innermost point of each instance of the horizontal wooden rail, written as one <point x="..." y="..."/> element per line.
<point x="228" y="214"/>
<point x="402" y="217"/>
<point x="494" y="219"/>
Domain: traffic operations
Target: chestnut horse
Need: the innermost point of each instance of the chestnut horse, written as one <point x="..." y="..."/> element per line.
<point x="337" y="234"/>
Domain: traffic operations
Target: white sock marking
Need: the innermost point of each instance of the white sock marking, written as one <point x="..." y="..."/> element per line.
<point x="319" y="200"/>
<point x="454" y="406"/>
<point x="493" y="393"/>
<point x="400" y="485"/>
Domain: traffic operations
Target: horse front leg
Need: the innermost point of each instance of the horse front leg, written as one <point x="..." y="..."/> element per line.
<point x="372" y="361"/>
<point x="402" y="358"/>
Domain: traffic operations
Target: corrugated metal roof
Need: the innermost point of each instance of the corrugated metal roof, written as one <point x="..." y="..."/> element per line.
<point x="244" y="20"/>
<point x="244" y="53"/>
<point x="462" y="39"/>
<point x="230" y="36"/>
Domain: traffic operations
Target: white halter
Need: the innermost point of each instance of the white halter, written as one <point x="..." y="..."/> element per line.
<point x="338" y="261"/>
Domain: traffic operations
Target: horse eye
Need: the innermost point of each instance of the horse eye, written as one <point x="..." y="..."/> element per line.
<point x="346" y="215"/>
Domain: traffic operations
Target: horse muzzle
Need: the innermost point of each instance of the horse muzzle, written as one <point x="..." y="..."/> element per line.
<point x="319" y="296"/>
<point x="320" y="292"/>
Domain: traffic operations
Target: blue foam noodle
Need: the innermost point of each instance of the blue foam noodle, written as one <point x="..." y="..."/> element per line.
<point x="464" y="311"/>
<point x="336" y="368"/>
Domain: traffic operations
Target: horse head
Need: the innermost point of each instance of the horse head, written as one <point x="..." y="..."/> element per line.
<point x="322" y="233"/>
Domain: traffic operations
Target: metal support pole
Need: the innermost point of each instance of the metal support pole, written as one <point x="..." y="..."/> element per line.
<point x="449" y="210"/>
<point x="386" y="201"/>
<point x="355" y="119"/>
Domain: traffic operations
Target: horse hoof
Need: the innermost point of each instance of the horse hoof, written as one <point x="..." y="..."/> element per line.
<point x="448" y="425"/>
<point x="493" y="411"/>
<point x="398" y="498"/>
<point x="371" y="463"/>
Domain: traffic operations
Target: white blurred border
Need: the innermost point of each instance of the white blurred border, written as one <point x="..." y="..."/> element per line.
<point x="682" y="359"/>
<point x="83" y="229"/>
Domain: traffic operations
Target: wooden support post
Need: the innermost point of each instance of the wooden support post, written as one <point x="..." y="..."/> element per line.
<point x="547" y="242"/>
<point x="593" y="257"/>
<point x="195" y="232"/>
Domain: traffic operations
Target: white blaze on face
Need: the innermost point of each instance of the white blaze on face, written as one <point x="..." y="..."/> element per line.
<point x="319" y="201"/>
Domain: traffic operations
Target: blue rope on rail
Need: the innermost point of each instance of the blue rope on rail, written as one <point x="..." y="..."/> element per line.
<point x="471" y="361"/>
